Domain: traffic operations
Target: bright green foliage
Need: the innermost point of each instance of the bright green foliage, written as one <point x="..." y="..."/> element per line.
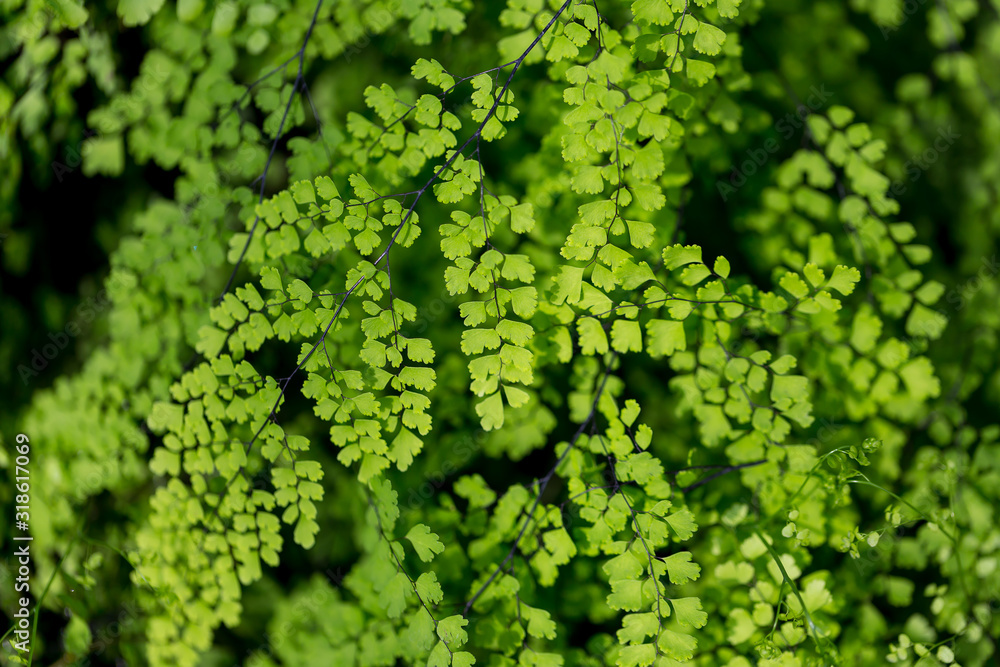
<point x="487" y="266"/>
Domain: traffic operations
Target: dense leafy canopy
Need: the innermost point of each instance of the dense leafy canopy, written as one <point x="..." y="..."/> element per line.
<point x="535" y="332"/>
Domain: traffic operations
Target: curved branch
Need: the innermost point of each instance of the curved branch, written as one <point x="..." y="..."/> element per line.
<point x="299" y="81"/>
<point x="542" y="484"/>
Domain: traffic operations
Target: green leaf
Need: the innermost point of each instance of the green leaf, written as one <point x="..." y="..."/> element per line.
<point x="652" y="12"/>
<point x="297" y="289"/>
<point x="429" y="589"/>
<point x="474" y="489"/>
<point x="568" y="284"/>
<point x="138" y="12"/>
<point x="394" y="596"/>
<point x="106" y="155"/>
<point x="490" y="411"/>
<point x="425" y="543"/>
<point x="451" y="630"/>
<point x="326" y="189"/>
<point x="709" y="39"/>
<point x="636" y="627"/>
<point x="626" y="594"/>
<point x="665" y="337"/>
<point x="677" y="645"/>
<point x="677" y="256"/>
<point x="270" y="279"/>
<point x="688" y="612"/>
<point x="77" y="636"/>
<point x="639" y="655"/>
<point x="699" y="71"/>
<point x="305" y="532"/>
<point x="626" y="336"/>
<point x="844" y="279"/>
<point x="593" y="339"/>
<point x="683" y="524"/>
<point x="681" y="569"/>
<point x="540" y="623"/>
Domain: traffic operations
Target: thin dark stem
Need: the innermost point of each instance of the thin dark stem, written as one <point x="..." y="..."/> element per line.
<point x="399" y="227"/>
<point x="299" y="82"/>
<point x="724" y="471"/>
<point x="542" y="484"/>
